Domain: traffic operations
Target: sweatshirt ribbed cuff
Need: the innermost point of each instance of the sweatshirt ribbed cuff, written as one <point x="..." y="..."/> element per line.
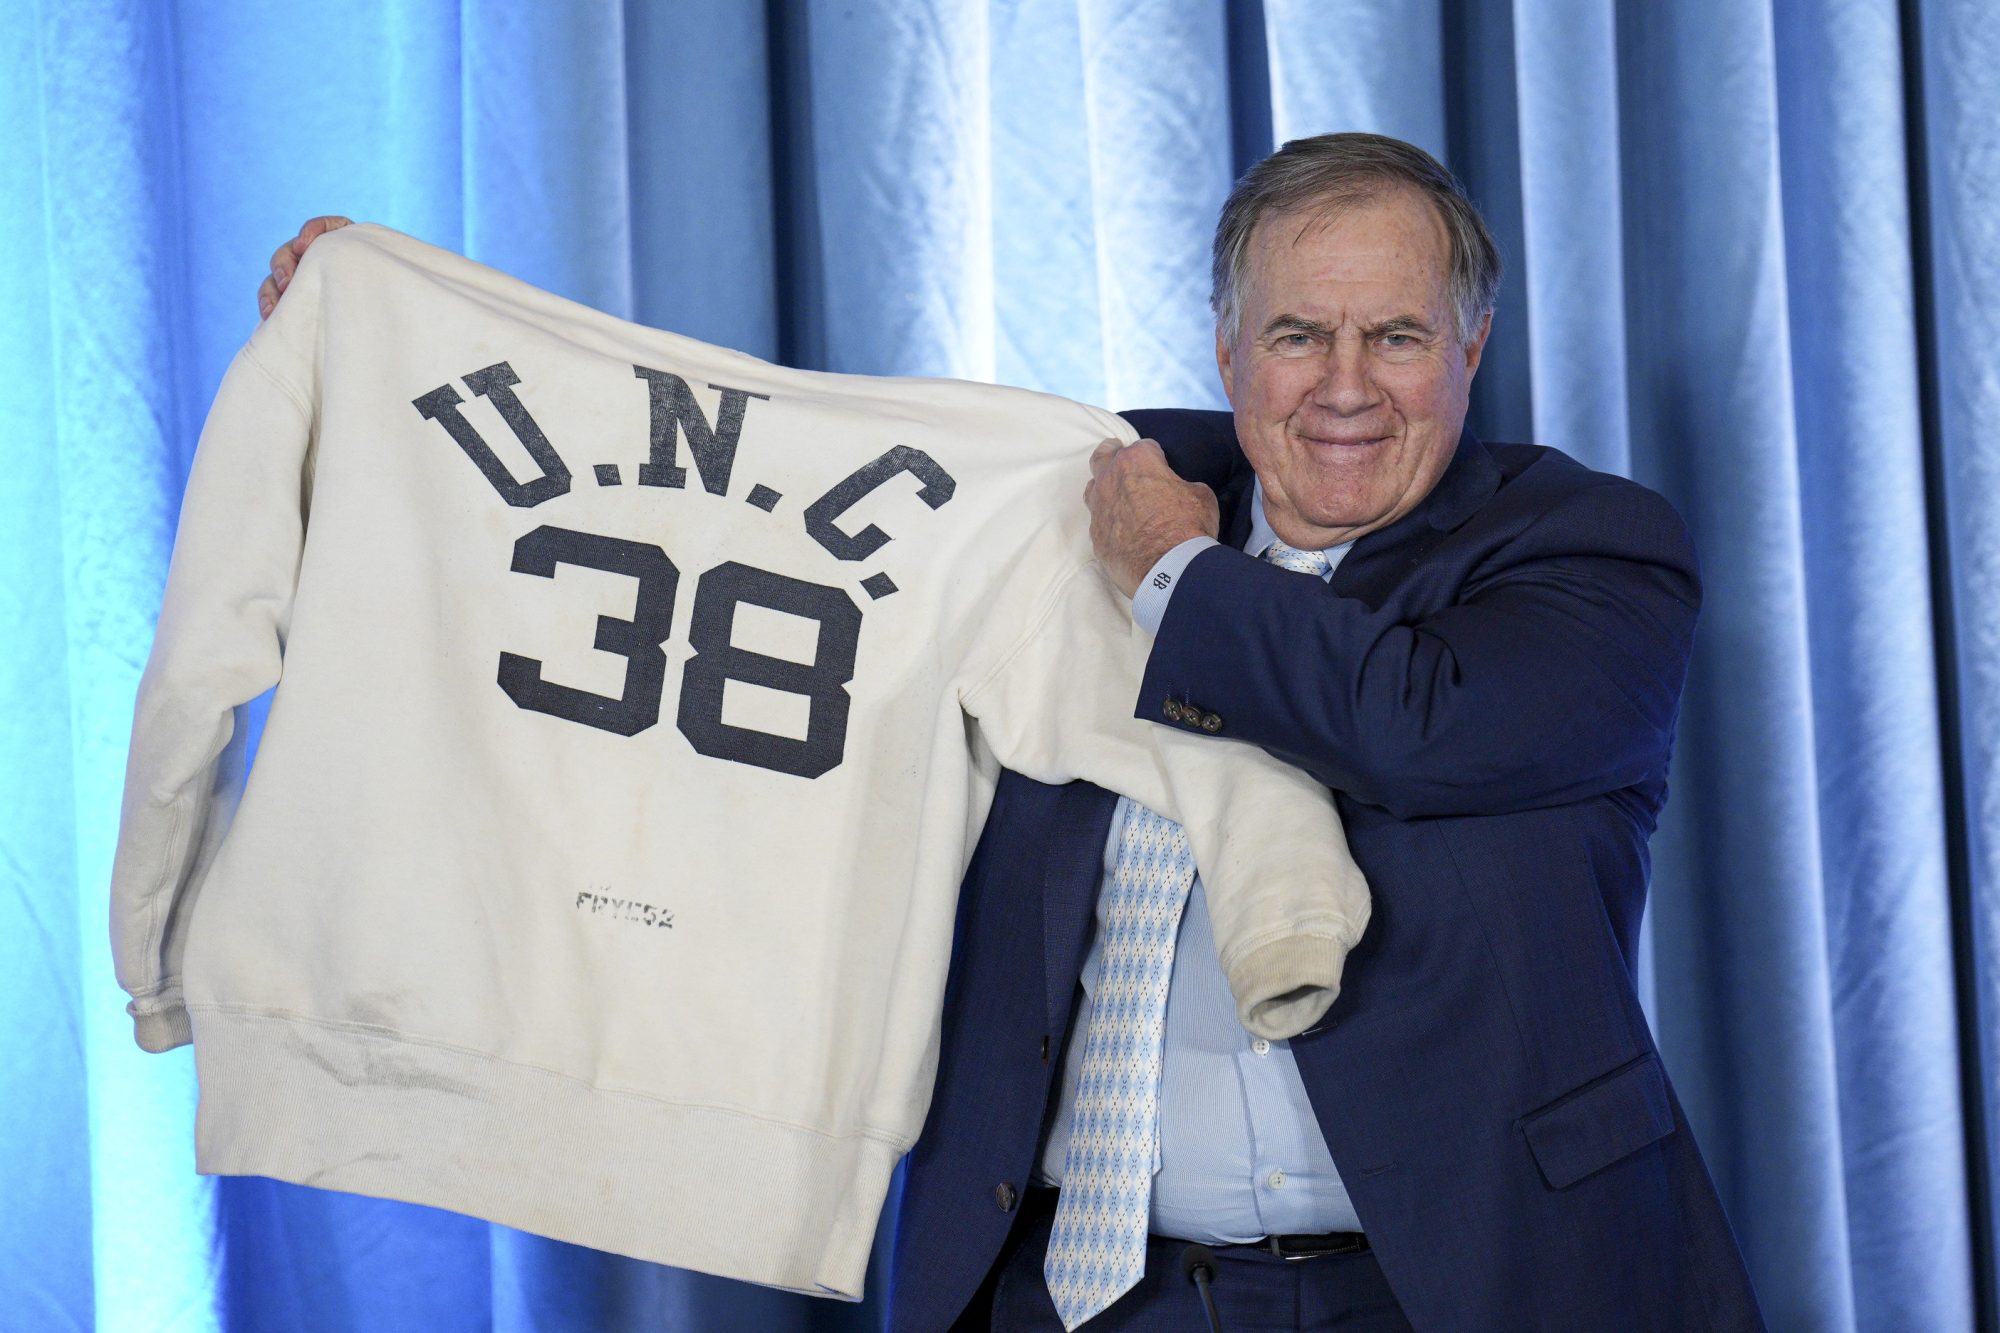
<point x="1284" y="987"/>
<point x="160" y="1023"/>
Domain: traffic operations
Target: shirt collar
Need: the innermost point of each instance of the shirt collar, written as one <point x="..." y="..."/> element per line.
<point x="1262" y="534"/>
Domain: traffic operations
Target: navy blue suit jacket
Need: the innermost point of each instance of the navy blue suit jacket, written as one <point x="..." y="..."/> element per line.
<point x="1490" y="687"/>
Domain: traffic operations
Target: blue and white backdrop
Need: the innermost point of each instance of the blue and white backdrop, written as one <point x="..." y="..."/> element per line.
<point x="1754" y="260"/>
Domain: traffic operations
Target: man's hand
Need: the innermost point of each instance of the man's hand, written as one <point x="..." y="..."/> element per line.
<point x="285" y="261"/>
<point x="1139" y="510"/>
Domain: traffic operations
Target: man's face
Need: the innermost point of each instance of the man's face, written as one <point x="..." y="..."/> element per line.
<point x="1347" y="376"/>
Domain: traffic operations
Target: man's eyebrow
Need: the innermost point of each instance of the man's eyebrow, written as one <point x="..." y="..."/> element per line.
<point x="1399" y="324"/>
<point x="1297" y="324"/>
<point x="1283" y="324"/>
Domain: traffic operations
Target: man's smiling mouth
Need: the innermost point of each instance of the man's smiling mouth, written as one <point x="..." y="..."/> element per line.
<point x="1342" y="441"/>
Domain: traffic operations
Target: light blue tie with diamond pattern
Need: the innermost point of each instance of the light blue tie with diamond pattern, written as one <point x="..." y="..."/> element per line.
<point x="1299" y="562"/>
<point x="1097" y="1247"/>
<point x="1097" y="1244"/>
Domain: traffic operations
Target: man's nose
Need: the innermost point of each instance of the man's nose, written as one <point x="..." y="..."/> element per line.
<point x="1346" y="385"/>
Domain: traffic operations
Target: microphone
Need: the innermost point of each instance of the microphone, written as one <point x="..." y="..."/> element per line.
<point x="1198" y="1266"/>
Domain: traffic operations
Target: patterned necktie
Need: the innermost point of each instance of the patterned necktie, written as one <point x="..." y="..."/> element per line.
<point x="1097" y="1244"/>
<point x="1097" y="1248"/>
<point x="1299" y="562"/>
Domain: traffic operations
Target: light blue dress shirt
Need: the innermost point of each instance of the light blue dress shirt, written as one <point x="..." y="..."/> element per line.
<point x="1241" y="1156"/>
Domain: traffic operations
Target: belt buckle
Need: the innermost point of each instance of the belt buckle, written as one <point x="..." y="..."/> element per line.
<point x="1276" y="1245"/>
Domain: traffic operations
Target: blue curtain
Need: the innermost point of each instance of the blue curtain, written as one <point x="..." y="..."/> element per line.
<point x="1754" y="261"/>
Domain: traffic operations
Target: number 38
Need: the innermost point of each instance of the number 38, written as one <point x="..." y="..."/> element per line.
<point x="715" y="660"/>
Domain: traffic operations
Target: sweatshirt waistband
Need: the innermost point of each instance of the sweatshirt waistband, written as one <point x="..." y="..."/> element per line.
<point x="693" y="1187"/>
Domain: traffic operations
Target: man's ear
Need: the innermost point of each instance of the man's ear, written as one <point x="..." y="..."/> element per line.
<point x="1224" y="366"/>
<point x="1477" y="347"/>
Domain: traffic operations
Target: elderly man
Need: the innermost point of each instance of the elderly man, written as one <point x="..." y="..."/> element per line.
<point x="1480" y="650"/>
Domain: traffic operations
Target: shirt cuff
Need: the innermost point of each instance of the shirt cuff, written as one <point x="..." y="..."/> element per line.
<point x="1149" y="603"/>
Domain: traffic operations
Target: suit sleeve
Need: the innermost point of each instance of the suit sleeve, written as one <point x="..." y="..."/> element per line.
<point x="1285" y="897"/>
<point x="217" y="646"/>
<point x="1553" y="675"/>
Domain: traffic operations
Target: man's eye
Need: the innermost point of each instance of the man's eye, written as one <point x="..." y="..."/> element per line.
<point x="1398" y="340"/>
<point x="1295" y="340"/>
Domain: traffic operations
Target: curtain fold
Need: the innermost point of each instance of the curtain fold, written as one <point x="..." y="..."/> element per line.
<point x="543" y="138"/>
<point x="1571" y="289"/>
<point x="45" y="1249"/>
<point x="703" y="224"/>
<point x="901" y="186"/>
<point x="115" y="430"/>
<point x="1753" y="260"/>
<point x="1160" y="167"/>
<point x="1712" y="370"/>
<point x="1048" y="320"/>
<point x="1356" y="64"/>
<point x="1960" y="152"/>
<point x="1873" y="663"/>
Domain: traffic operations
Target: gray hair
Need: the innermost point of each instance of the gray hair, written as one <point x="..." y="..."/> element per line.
<point x="1330" y="172"/>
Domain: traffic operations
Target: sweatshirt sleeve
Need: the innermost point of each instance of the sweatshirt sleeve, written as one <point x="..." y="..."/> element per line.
<point x="217" y="646"/>
<point x="1285" y="897"/>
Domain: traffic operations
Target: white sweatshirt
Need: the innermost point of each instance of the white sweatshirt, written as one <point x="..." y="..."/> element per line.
<point x="638" y="705"/>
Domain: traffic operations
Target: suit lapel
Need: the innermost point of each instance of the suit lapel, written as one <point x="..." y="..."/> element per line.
<point x="1234" y="501"/>
<point x="1072" y="869"/>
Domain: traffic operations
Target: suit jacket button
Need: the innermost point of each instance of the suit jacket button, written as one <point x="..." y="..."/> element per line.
<point x="1172" y="709"/>
<point x="1005" y="1195"/>
<point x="1211" y="722"/>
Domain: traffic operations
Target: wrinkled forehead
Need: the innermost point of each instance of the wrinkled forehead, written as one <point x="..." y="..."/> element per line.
<point x="1392" y="233"/>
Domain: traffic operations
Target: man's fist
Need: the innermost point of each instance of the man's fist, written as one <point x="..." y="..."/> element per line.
<point x="1139" y="510"/>
<point x="285" y="261"/>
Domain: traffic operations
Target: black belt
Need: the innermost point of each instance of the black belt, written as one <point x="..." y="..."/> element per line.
<point x="1306" y="1247"/>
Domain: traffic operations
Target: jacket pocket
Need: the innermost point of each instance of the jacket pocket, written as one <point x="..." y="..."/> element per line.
<point x="1610" y="1118"/>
